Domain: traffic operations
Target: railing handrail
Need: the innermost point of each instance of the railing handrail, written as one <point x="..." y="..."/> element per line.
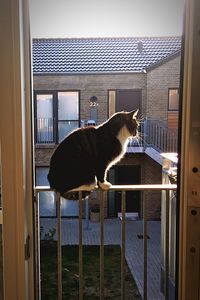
<point x="142" y="187"/>
<point x="131" y="187"/>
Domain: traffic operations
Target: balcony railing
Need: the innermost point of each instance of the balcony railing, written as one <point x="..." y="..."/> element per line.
<point x="123" y="189"/>
<point x="44" y="127"/>
<point x="155" y="134"/>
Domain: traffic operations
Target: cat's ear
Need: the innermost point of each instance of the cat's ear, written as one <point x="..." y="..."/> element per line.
<point x="133" y="113"/>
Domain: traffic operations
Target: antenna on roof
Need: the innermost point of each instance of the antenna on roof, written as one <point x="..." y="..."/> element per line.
<point x="140" y="46"/>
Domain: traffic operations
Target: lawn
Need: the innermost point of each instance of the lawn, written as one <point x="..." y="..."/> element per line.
<point x="70" y="271"/>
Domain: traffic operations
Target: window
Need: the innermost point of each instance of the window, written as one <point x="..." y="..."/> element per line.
<point x="44" y="118"/>
<point x="173" y="100"/>
<point x="47" y="201"/>
<point x="111" y="102"/>
<point x="47" y="204"/>
<point x="57" y="114"/>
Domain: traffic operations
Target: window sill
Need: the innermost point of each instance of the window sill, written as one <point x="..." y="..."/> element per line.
<point x="45" y="146"/>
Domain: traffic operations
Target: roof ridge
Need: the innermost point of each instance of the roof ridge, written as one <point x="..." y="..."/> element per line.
<point x="106" y="38"/>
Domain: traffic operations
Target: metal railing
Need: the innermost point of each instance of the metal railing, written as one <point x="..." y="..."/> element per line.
<point x="155" y="134"/>
<point x="122" y="188"/>
<point x="44" y="127"/>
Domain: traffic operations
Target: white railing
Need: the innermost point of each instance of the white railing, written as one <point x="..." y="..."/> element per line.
<point x="122" y="188"/>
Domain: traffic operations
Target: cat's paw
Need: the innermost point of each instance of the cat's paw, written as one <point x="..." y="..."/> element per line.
<point x="105" y="185"/>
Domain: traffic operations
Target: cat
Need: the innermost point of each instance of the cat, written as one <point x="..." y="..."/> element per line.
<point x="81" y="161"/>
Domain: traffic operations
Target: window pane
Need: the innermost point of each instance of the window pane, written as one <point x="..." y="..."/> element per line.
<point x="173" y="99"/>
<point x="44" y="118"/>
<point x="47" y="199"/>
<point x="44" y="106"/>
<point x="47" y="205"/>
<point x="112" y="97"/>
<point x="65" y="127"/>
<point x="68" y="106"/>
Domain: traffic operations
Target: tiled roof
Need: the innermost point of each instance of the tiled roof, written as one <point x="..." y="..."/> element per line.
<point x="101" y="55"/>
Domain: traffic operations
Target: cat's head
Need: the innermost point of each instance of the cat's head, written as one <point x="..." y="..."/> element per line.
<point x="131" y="122"/>
<point x="126" y="120"/>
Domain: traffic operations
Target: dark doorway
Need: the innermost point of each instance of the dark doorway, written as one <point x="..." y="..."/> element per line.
<point x="128" y="100"/>
<point x="128" y="174"/>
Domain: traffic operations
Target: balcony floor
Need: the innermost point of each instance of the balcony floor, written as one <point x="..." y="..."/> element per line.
<point x="112" y="236"/>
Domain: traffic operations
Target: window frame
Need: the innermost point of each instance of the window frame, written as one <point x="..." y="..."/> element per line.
<point x="55" y="113"/>
<point x="178" y="90"/>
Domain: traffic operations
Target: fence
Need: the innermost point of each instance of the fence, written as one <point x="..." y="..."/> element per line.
<point x="123" y="188"/>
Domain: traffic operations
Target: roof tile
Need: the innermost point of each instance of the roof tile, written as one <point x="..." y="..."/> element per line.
<point x="101" y="55"/>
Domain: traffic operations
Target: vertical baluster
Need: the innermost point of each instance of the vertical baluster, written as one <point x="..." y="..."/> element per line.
<point x="37" y="246"/>
<point x="123" y="241"/>
<point x="145" y="197"/>
<point x="59" y="245"/>
<point x="164" y="141"/>
<point x="102" y="245"/>
<point x="153" y="134"/>
<point x="80" y="247"/>
<point x="167" y="246"/>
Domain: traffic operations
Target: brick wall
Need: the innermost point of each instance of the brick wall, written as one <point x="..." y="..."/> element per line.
<point x="159" y="80"/>
<point x="93" y="85"/>
<point x="43" y="155"/>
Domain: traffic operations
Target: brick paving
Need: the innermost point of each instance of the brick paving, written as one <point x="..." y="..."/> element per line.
<point x="112" y="236"/>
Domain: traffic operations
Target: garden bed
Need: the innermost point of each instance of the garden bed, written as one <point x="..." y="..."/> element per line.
<point x="91" y="273"/>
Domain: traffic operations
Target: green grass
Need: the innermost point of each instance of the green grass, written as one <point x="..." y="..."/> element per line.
<point x="91" y="269"/>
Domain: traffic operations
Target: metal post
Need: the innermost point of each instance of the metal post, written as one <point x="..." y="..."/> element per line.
<point x="123" y="241"/>
<point x="59" y="245"/>
<point x="87" y="222"/>
<point x="167" y="246"/>
<point x="102" y="245"/>
<point x="145" y="196"/>
<point x="80" y="247"/>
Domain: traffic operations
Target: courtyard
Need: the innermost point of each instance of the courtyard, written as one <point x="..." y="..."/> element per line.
<point x="112" y="236"/>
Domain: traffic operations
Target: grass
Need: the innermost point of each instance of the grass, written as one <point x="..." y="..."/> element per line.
<point x="70" y="271"/>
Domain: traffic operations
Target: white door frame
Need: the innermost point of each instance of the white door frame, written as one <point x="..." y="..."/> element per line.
<point x="189" y="230"/>
<point x="16" y="148"/>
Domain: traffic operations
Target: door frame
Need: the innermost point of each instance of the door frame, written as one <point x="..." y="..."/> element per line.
<point x="116" y="170"/>
<point x="188" y="250"/>
<point x="16" y="151"/>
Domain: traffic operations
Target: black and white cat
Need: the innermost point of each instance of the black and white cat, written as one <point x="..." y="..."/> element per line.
<point x="81" y="161"/>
